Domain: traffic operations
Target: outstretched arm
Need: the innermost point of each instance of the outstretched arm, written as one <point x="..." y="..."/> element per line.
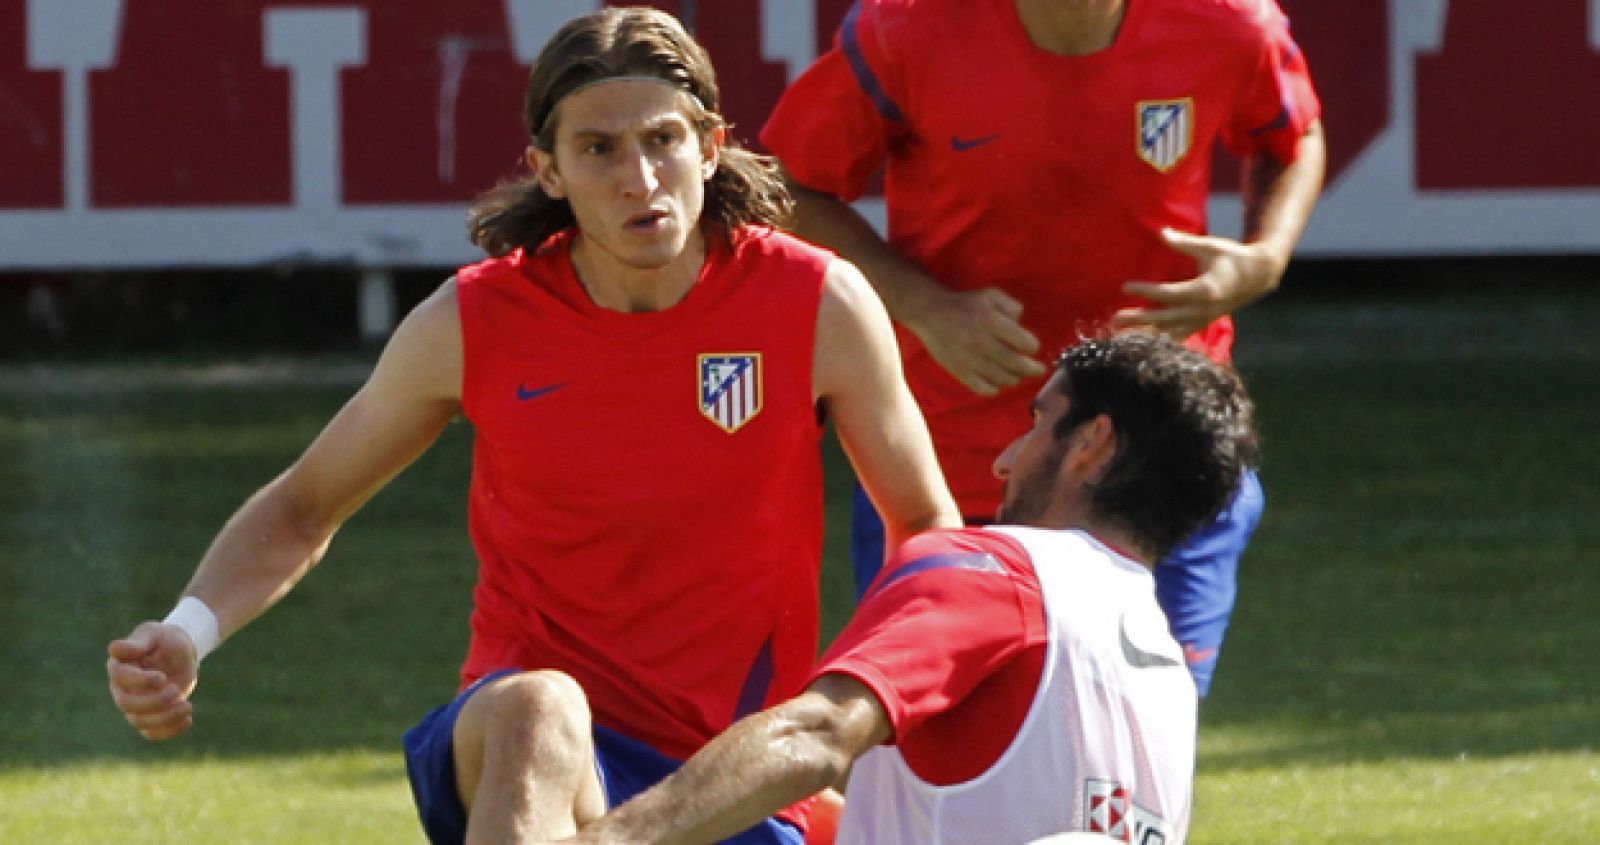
<point x="857" y="375"/>
<point x="1278" y="199"/>
<point x="762" y="764"/>
<point x="976" y="335"/>
<point x="284" y="529"/>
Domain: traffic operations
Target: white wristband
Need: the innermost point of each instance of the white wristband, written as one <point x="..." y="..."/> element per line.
<point x="198" y="622"/>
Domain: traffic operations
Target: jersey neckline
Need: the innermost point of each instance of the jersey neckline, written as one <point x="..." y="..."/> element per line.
<point x="1011" y="22"/>
<point x="564" y="284"/>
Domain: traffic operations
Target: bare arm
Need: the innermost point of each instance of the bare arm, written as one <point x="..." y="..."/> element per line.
<point x="976" y="335"/>
<point x="284" y="529"/>
<point x="858" y="377"/>
<point x="757" y="767"/>
<point x="1278" y="199"/>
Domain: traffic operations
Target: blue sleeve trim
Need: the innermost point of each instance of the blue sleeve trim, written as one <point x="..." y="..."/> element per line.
<point x="969" y="561"/>
<point x="864" y="76"/>
<point x="1277" y="123"/>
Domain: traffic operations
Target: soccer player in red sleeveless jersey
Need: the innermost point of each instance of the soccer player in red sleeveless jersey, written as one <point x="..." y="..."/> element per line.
<point x="648" y="365"/>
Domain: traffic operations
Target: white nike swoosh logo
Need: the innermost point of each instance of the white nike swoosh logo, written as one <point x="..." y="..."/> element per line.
<point x="1137" y="657"/>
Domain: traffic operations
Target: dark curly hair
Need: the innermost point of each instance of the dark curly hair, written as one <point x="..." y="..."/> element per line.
<point x="1185" y="432"/>
<point x="614" y="42"/>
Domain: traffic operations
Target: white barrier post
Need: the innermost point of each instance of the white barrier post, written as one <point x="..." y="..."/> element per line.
<point x="74" y="37"/>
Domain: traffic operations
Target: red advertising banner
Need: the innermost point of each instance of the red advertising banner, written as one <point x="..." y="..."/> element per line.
<point x="232" y="132"/>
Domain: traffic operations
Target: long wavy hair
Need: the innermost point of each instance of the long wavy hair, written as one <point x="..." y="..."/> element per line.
<point x="614" y="42"/>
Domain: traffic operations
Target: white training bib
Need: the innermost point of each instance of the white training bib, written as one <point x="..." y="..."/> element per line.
<point x="1108" y="745"/>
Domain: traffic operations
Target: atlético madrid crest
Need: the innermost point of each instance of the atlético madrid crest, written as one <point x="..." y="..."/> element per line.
<point x="1166" y="130"/>
<point x="730" y="388"/>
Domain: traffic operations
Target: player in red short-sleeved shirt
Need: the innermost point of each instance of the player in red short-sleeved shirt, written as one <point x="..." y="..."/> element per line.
<point x="1034" y="153"/>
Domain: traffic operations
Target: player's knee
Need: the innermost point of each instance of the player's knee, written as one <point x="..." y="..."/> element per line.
<point x="520" y="726"/>
<point x="546" y="696"/>
<point x="545" y="708"/>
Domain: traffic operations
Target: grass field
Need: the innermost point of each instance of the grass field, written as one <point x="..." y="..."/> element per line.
<point x="1413" y="659"/>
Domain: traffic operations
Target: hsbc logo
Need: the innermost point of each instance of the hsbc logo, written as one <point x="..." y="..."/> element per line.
<point x="1108" y="809"/>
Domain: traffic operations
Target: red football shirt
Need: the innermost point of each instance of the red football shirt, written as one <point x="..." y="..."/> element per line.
<point x="646" y="497"/>
<point x="1047" y="176"/>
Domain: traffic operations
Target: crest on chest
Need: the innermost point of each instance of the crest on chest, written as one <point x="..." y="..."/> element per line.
<point x="730" y="388"/>
<point x="1165" y="131"/>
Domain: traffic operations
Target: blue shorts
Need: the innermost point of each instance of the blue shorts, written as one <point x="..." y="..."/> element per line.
<point x="1196" y="584"/>
<point x="626" y="766"/>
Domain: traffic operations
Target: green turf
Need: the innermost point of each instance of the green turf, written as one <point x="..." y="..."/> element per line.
<point x="1412" y="660"/>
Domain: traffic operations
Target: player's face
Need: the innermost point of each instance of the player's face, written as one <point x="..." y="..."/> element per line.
<point x="1031" y="465"/>
<point x="633" y="167"/>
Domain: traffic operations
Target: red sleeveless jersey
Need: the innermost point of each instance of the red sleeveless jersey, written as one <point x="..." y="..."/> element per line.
<point x="646" y="496"/>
